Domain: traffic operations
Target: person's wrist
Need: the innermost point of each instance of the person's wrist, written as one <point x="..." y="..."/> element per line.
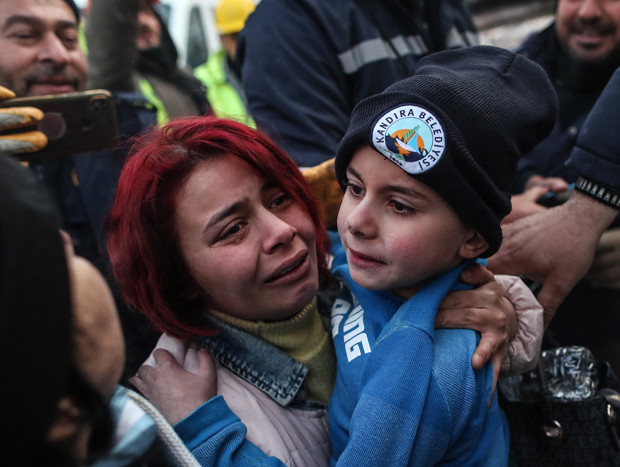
<point x="598" y="191"/>
<point x="589" y="211"/>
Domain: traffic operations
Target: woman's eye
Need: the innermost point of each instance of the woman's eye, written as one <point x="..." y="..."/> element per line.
<point x="279" y="200"/>
<point x="235" y="229"/>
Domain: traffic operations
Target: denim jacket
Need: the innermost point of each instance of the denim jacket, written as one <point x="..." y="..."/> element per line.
<point x="261" y="403"/>
<point x="260" y="364"/>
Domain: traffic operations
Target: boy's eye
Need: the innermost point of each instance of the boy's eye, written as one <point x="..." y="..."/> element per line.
<point x="354" y="189"/>
<point x="401" y="208"/>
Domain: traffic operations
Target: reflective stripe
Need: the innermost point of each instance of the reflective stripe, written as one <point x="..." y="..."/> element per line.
<point x="456" y="38"/>
<point x="377" y="49"/>
<point x="147" y="91"/>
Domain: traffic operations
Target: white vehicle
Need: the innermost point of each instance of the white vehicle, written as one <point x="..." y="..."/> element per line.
<point x="191" y="24"/>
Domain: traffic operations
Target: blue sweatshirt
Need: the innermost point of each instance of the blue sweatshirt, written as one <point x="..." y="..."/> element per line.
<point x="406" y="394"/>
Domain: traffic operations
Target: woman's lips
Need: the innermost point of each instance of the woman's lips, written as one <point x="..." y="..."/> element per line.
<point x="291" y="271"/>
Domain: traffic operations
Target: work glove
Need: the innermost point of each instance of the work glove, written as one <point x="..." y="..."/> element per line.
<point x="12" y="120"/>
<point x="325" y="188"/>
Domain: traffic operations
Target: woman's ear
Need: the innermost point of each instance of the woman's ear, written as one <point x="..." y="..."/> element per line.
<point x="473" y="246"/>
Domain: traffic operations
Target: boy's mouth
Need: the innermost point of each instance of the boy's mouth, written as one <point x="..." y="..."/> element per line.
<point x="360" y="259"/>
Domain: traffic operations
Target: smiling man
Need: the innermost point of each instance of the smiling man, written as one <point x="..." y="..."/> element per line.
<point x="589" y="30"/>
<point x="40" y="50"/>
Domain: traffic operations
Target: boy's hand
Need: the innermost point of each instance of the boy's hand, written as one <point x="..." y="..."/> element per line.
<point x="174" y="391"/>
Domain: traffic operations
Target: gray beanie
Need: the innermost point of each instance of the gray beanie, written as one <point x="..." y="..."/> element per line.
<point x="459" y="125"/>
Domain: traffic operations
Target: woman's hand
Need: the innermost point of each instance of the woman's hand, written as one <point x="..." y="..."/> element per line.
<point x="484" y="309"/>
<point x="174" y="391"/>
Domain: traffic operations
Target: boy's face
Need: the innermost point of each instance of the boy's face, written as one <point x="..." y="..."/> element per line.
<point x="396" y="230"/>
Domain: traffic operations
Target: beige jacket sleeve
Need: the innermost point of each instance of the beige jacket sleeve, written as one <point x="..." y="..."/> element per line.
<point x="524" y="348"/>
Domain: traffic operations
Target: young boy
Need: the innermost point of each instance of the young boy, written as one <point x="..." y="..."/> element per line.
<point x="426" y="167"/>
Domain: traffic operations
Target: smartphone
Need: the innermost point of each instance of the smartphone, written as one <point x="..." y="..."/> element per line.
<point x="73" y="122"/>
<point x="555" y="198"/>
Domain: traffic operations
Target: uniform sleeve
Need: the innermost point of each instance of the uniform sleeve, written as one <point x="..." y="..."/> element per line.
<point x="596" y="155"/>
<point x="216" y="437"/>
<point x="293" y="81"/>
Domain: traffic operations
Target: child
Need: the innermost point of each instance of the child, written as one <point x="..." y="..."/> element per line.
<point x="426" y="167"/>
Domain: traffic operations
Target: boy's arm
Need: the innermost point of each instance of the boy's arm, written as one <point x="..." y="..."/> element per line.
<point x="216" y="437"/>
<point x="385" y="426"/>
<point x="210" y="430"/>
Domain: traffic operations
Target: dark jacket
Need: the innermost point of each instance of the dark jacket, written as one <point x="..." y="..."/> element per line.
<point x="306" y="63"/>
<point x="596" y="155"/>
<point x="578" y="88"/>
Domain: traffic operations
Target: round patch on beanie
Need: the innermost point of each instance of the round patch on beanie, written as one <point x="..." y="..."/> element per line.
<point x="411" y="137"/>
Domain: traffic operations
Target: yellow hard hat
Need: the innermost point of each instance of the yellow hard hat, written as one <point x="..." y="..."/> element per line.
<point x="230" y="15"/>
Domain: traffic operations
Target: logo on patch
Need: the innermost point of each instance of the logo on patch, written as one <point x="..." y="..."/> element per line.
<point x="411" y="137"/>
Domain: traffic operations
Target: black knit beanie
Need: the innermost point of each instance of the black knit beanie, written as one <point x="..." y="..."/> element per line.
<point x="35" y="313"/>
<point x="75" y="9"/>
<point x="459" y="125"/>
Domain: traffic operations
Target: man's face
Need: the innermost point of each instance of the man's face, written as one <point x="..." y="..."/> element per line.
<point x="40" y="53"/>
<point x="589" y="30"/>
<point x="149" y="27"/>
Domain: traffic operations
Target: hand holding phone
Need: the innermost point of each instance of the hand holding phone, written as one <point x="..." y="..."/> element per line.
<point x="72" y="122"/>
<point x="12" y="119"/>
<point x="555" y="198"/>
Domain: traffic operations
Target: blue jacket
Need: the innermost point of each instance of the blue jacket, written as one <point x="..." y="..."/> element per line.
<point x="406" y="394"/>
<point x="306" y="63"/>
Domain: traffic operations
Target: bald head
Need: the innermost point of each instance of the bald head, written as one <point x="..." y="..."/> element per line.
<point x="98" y="341"/>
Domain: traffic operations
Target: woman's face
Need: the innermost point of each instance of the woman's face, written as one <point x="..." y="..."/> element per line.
<point x="248" y="246"/>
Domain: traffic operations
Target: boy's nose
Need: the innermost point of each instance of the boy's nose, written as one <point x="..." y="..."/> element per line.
<point x="360" y="224"/>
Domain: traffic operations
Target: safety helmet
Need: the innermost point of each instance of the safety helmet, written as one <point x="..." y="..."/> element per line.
<point x="230" y="15"/>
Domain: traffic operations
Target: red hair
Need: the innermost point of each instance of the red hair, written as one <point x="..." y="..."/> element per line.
<point x="142" y="239"/>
